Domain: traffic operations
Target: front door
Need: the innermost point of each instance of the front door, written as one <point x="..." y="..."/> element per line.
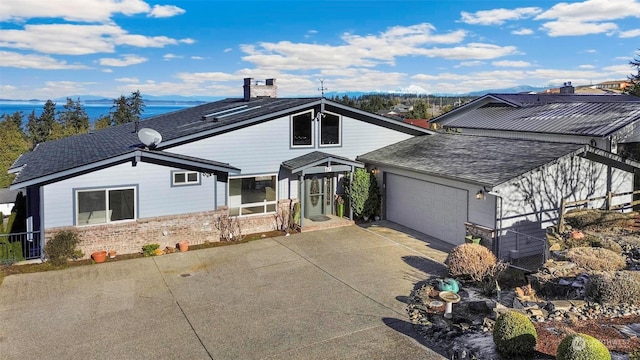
<point x="318" y="199"/>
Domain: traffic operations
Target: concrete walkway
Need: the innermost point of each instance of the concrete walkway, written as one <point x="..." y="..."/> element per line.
<point x="330" y="294"/>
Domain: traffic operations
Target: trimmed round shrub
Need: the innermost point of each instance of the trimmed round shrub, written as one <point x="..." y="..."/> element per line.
<point x="597" y="259"/>
<point x="514" y="334"/>
<point x="582" y="347"/>
<point x="614" y="287"/>
<point x="472" y="261"/>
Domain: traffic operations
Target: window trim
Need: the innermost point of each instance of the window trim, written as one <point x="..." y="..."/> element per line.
<point x="76" y="205"/>
<point x="339" y="143"/>
<point x="186" y="177"/>
<point x="255" y="204"/>
<point x="313" y="130"/>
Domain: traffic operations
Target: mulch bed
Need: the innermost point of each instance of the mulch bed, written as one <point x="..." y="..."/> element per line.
<point x="551" y="333"/>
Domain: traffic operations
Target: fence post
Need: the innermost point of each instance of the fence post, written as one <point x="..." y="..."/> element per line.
<point x="563" y="205"/>
<point x="609" y="204"/>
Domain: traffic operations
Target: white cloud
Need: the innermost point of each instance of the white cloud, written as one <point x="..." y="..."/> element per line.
<point x="172" y="56"/>
<point x="65" y="87"/>
<point x="197" y="58"/>
<point x="107" y="70"/>
<point x="187" y="41"/>
<point x="630" y="33"/>
<point x="568" y="28"/>
<point x="127" y="80"/>
<point x="227" y="50"/>
<point x="586" y="66"/>
<point x="587" y="17"/>
<point x="469" y="63"/>
<point x="370" y="50"/>
<point x="523" y="31"/>
<point x="71" y="10"/>
<point x="126" y="60"/>
<point x="498" y="16"/>
<point x="33" y="61"/>
<point x="592" y="10"/>
<point x="162" y="11"/>
<point x="509" y="63"/>
<point x="72" y="39"/>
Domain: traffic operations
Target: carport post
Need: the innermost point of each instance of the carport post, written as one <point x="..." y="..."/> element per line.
<point x="350" y="192"/>
<point x="301" y="196"/>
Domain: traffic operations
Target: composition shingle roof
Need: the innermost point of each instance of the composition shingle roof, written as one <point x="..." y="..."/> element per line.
<point x="313" y="158"/>
<point x="483" y="160"/>
<point x="583" y="115"/>
<point x="54" y="156"/>
<point x="176" y="128"/>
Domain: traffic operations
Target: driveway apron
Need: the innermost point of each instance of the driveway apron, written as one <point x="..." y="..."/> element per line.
<point x="329" y="294"/>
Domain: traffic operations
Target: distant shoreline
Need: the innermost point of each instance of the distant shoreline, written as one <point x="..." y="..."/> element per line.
<point x="107" y="102"/>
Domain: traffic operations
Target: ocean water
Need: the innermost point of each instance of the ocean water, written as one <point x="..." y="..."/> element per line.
<point x="93" y="110"/>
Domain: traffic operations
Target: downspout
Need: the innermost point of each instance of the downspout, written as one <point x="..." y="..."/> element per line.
<point x="301" y="196"/>
<point x="498" y="224"/>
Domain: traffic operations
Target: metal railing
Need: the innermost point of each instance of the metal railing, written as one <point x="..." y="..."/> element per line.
<point x="526" y="262"/>
<point x="20" y="246"/>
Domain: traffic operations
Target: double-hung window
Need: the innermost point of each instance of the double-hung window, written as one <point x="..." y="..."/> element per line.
<point x="100" y="206"/>
<point x="302" y="129"/>
<point x="252" y="195"/>
<point x="180" y="178"/>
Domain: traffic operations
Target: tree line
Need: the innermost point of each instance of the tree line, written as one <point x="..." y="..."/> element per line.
<point x="53" y="123"/>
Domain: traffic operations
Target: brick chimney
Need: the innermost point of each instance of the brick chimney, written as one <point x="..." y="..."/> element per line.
<point x="567" y="88"/>
<point x="253" y="90"/>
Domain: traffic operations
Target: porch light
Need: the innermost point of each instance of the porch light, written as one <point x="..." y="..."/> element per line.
<point x="480" y="195"/>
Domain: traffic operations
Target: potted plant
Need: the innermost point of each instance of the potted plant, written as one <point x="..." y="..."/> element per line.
<point x="339" y="206"/>
<point x="112" y="254"/>
<point x="183" y="245"/>
<point x="99" y="256"/>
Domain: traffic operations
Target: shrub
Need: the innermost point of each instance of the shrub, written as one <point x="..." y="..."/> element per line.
<point x="63" y="247"/>
<point x="635" y="354"/>
<point x="363" y="193"/>
<point x="474" y="262"/>
<point x="514" y="334"/>
<point x="582" y="347"/>
<point x="150" y="249"/>
<point x="614" y="287"/>
<point x="597" y="259"/>
<point x="611" y="245"/>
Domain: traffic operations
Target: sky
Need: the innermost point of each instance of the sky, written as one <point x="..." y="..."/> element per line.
<point x="56" y="48"/>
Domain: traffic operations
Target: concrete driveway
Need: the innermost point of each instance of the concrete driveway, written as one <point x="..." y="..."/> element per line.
<point x="329" y="294"/>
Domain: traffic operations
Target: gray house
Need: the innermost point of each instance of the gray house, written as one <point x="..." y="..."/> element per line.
<point x="503" y="163"/>
<point x="249" y="157"/>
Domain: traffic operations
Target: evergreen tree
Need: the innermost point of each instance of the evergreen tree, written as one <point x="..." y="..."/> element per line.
<point x="74" y="118"/>
<point x="127" y="108"/>
<point x="14" y="142"/>
<point x="41" y="128"/>
<point x="102" y="122"/>
<point x="634" y="88"/>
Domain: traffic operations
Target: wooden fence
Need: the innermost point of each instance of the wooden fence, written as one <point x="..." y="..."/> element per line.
<point x="609" y="204"/>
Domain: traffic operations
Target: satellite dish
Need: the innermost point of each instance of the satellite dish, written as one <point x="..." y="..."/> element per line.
<point x="149" y="137"/>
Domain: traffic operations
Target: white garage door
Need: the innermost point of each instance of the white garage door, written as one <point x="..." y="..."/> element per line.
<point x="436" y="210"/>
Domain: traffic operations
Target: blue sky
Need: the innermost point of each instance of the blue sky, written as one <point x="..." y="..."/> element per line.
<point x="54" y="48"/>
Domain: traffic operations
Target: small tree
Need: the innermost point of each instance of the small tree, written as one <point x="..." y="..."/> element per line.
<point x="634" y="88"/>
<point x="62" y="247"/>
<point x="363" y="193"/>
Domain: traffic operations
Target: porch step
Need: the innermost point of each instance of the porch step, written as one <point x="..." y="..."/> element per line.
<point x="334" y="222"/>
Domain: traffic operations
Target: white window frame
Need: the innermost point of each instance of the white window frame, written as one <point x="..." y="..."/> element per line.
<point x="322" y="118"/>
<point x="264" y="203"/>
<point x="106" y="205"/>
<point x="313" y="130"/>
<point x="186" y="178"/>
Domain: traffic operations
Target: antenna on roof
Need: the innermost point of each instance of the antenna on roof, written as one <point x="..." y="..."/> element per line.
<point x="149" y="137"/>
<point x="322" y="88"/>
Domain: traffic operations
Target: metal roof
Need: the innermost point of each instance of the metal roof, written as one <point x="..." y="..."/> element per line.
<point x="482" y="160"/>
<point x="597" y="119"/>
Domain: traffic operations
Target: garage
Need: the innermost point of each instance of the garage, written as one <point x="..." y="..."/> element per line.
<point x="436" y="210"/>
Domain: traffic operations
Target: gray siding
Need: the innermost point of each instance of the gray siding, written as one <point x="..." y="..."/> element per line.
<point x="155" y="195"/>
<point x="531" y="202"/>
<point x="261" y="148"/>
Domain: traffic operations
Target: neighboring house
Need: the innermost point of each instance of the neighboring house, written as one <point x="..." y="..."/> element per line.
<point x="250" y="157"/>
<point x="523" y="127"/>
<point x="7" y="200"/>
<point x="507" y="190"/>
